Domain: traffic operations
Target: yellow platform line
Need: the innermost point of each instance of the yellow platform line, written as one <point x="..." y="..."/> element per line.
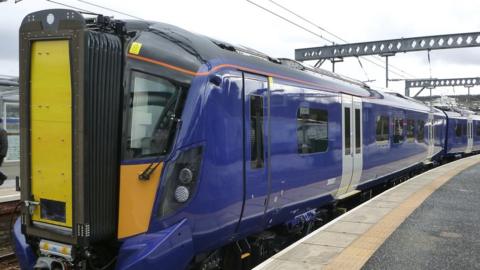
<point x="359" y="251"/>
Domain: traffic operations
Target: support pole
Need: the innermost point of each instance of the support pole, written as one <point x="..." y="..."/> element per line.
<point x="407" y="90"/>
<point x="386" y="71"/>
<point x="469" y="100"/>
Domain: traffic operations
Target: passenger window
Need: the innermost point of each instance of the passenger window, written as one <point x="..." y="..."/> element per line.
<point x="410" y="130"/>
<point x="458" y="130"/>
<point x="382" y="132"/>
<point x="420" y="131"/>
<point x="312" y="130"/>
<point x="256" y="131"/>
<point x="398" y="130"/>
<point x="478" y="130"/>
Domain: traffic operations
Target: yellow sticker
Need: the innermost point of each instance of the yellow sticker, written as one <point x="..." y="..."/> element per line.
<point x="135" y="48"/>
<point x="270" y="82"/>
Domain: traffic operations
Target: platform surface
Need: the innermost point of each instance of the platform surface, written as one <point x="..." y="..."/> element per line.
<point x="7" y="190"/>
<point x="368" y="236"/>
<point x="443" y="233"/>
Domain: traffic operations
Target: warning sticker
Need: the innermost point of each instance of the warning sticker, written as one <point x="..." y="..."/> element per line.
<point x="135" y="48"/>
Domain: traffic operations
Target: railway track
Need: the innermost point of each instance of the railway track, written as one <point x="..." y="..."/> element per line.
<point x="8" y="261"/>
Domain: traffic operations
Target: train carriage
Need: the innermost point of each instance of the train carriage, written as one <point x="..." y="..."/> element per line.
<point x="460" y="137"/>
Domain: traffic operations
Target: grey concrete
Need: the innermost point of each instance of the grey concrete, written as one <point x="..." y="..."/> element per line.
<point x="349" y="227"/>
<point x="311" y="254"/>
<point x="367" y="214"/>
<point x="332" y="239"/>
<point x="443" y="233"/>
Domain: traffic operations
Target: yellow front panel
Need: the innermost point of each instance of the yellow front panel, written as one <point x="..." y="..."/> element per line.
<point x="136" y="199"/>
<point x="51" y="129"/>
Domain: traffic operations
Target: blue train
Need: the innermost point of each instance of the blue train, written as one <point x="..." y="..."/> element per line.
<point x="144" y="146"/>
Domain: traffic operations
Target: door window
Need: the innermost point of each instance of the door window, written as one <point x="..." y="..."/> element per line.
<point x="347" y="131"/>
<point x="256" y="131"/>
<point x="358" y="128"/>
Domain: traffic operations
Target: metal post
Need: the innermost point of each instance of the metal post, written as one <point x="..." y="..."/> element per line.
<point x="17" y="183"/>
<point x="386" y="71"/>
<point x="333" y="65"/>
<point x="469" y="100"/>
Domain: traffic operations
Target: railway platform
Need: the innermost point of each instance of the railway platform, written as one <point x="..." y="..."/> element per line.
<point x="8" y="194"/>
<point x="428" y="222"/>
<point x="8" y="189"/>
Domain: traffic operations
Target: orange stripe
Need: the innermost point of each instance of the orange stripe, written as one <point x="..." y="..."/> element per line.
<point x="193" y="73"/>
<point x="163" y="64"/>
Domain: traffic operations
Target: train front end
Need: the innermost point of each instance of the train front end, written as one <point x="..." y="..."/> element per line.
<point x="70" y="96"/>
<point x="97" y="124"/>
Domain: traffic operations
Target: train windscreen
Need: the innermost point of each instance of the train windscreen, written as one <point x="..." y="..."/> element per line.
<point x="152" y="106"/>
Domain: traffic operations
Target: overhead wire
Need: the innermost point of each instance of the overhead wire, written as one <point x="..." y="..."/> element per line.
<point x="275" y="14"/>
<point x="323" y="29"/>
<point x="82" y="10"/>
<point x="74" y="7"/>
<point x="332" y="34"/>
<point x="285" y="19"/>
<point x="110" y="9"/>
<point x="364" y="71"/>
<point x="307" y="20"/>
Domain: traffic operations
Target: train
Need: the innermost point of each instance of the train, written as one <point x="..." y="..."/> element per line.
<point x="145" y="146"/>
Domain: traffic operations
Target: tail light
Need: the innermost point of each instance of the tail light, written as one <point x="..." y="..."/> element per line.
<point x="180" y="181"/>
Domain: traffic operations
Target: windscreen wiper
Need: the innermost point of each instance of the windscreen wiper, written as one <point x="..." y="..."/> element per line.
<point x="145" y="175"/>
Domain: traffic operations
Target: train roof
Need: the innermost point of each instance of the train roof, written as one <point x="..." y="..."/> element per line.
<point x="207" y="50"/>
<point x="196" y="54"/>
<point x="453" y="114"/>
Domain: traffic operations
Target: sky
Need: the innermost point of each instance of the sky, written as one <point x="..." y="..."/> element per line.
<point x="241" y="22"/>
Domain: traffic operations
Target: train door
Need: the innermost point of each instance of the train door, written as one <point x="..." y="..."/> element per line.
<point x="431" y="135"/>
<point x="256" y="159"/>
<point x="352" y="148"/>
<point x="469" y="135"/>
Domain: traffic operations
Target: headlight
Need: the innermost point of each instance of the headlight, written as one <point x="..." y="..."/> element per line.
<point x="182" y="194"/>
<point x="180" y="181"/>
<point x="185" y="176"/>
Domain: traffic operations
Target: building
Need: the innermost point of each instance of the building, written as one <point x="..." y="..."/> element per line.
<point x="9" y="112"/>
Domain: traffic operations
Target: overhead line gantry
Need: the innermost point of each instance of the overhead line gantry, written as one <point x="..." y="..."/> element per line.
<point x="387" y="48"/>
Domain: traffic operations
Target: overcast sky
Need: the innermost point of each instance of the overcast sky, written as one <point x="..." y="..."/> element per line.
<point x="240" y="22"/>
